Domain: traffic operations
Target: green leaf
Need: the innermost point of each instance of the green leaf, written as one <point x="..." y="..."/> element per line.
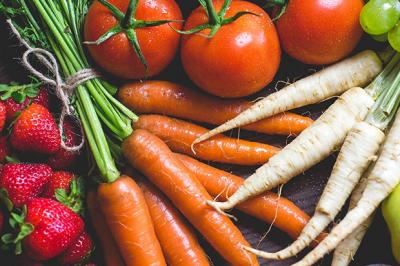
<point x="7" y="238"/>
<point x="4" y="198"/>
<point x="18" y="218"/>
<point x="18" y="96"/>
<point x="18" y="248"/>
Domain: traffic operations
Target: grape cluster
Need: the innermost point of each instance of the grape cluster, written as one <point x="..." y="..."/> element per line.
<point x="380" y="19"/>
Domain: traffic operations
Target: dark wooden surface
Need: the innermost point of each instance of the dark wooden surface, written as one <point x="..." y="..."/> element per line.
<point x="304" y="190"/>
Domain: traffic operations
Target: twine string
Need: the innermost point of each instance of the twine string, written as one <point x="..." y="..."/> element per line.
<point x="63" y="89"/>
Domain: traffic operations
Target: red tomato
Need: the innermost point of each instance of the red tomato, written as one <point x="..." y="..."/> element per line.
<point x="320" y="31"/>
<point x="116" y="55"/>
<point x="242" y="58"/>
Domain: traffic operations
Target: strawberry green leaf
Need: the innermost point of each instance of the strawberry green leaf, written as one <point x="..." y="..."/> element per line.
<point x="4" y="198"/>
<point x="18" y="96"/>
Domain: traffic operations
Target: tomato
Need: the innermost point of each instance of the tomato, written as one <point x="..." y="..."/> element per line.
<point x="117" y="55"/>
<point x="240" y="59"/>
<point x="320" y="31"/>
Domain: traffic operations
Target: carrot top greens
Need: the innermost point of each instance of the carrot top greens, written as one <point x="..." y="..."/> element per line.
<point x="56" y="27"/>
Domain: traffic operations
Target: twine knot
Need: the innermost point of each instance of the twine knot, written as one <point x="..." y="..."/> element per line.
<point x="63" y="89"/>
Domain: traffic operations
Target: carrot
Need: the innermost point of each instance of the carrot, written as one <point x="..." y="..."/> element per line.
<point x="153" y="158"/>
<point x="355" y="71"/>
<point x="178" y="241"/>
<point x="179" y="135"/>
<point x="383" y="178"/>
<point x="268" y="207"/>
<point x="129" y="220"/>
<point x="313" y="145"/>
<point x="109" y="249"/>
<point x="167" y="98"/>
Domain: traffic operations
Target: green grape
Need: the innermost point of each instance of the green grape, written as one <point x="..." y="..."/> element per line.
<point x="380" y="38"/>
<point x="394" y="37"/>
<point x="379" y="16"/>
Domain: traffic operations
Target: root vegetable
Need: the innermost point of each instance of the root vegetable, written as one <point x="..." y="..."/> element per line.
<point x="151" y="156"/>
<point x="310" y="147"/>
<point x="167" y="98"/>
<point x="357" y="70"/>
<point x="383" y="179"/>
<point x="179" y="134"/>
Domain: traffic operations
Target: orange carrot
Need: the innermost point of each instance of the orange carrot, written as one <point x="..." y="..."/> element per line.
<point x="109" y="249"/>
<point x="163" y="97"/>
<point x="178" y="241"/>
<point x="268" y="207"/>
<point x="179" y="135"/>
<point x="152" y="157"/>
<point x="129" y="220"/>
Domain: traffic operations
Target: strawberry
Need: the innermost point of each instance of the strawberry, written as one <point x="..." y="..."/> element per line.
<point x="3" y="114"/>
<point x="36" y="130"/>
<point x="21" y="182"/>
<point x="62" y="158"/>
<point x="4" y="150"/>
<point x="54" y="228"/>
<point x="67" y="189"/>
<point x="21" y="96"/>
<point x="59" y="180"/>
<point x="79" y="251"/>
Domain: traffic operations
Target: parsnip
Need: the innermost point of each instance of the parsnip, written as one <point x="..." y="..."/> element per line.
<point x="358" y="70"/>
<point x="383" y="179"/>
<point x="313" y="145"/>
<point x="346" y="250"/>
<point x="358" y="150"/>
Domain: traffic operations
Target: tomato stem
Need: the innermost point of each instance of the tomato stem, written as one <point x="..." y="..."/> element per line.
<point x="212" y="14"/>
<point x="127" y="20"/>
<point x="215" y="20"/>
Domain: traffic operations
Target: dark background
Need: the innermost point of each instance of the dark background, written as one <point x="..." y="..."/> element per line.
<point x="303" y="190"/>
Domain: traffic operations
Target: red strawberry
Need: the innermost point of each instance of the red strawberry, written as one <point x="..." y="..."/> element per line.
<point x="90" y="264"/>
<point x="3" y="114"/>
<point x="62" y="158"/>
<point x="13" y="106"/>
<point x="36" y="130"/>
<point x="23" y="182"/>
<point x="55" y="228"/>
<point x="4" y="150"/>
<point x="67" y="189"/>
<point x="59" y="180"/>
<point x="79" y="251"/>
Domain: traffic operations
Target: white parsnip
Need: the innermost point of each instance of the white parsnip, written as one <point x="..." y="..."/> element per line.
<point x="355" y="71"/>
<point x="383" y="179"/>
<point x="346" y="250"/>
<point x="358" y="150"/>
<point x="313" y="145"/>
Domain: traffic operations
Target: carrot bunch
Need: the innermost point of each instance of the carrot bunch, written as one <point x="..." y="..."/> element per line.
<point x="147" y="223"/>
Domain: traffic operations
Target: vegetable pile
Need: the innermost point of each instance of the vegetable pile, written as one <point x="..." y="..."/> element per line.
<point x="150" y="190"/>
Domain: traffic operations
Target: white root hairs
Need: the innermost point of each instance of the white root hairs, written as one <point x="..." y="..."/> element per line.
<point x="383" y="179"/>
<point x="359" y="148"/>
<point x="355" y="71"/>
<point x="312" y="146"/>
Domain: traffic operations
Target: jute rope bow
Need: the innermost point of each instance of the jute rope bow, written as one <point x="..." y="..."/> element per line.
<point x="63" y="90"/>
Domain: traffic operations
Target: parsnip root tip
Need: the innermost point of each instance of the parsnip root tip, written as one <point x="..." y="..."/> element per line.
<point x="257" y="252"/>
<point x="219" y="206"/>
